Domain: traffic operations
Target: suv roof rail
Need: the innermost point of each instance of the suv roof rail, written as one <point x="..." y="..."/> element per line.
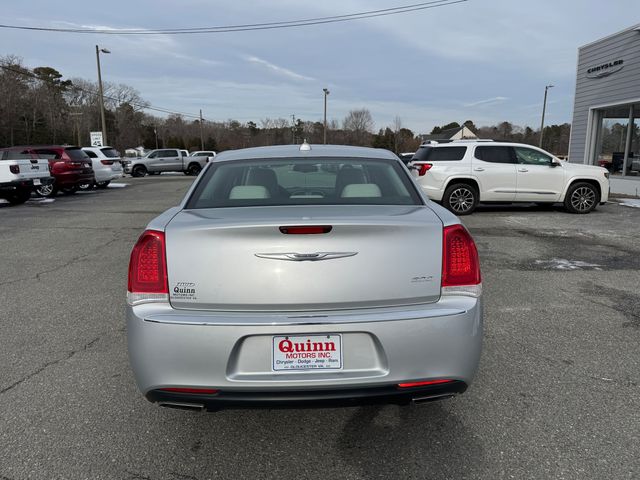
<point x="467" y="140"/>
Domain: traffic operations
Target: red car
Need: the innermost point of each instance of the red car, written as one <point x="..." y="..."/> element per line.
<point x="70" y="167"/>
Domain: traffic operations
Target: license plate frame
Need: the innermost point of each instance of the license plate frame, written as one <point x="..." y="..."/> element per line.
<point x="316" y="353"/>
<point x="37" y="182"/>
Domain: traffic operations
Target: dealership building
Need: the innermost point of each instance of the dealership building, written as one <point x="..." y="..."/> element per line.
<point x="604" y="130"/>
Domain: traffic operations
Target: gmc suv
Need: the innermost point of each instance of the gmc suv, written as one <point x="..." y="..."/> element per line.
<point x="462" y="173"/>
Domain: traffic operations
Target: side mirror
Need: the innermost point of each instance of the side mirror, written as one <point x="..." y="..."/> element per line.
<point x="555" y="162"/>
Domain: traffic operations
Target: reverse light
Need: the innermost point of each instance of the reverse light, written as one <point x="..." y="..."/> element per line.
<point x="306" y="230"/>
<point x="148" y="270"/>
<point x="460" y="263"/>
<point x="424" y="383"/>
<point x="424" y="168"/>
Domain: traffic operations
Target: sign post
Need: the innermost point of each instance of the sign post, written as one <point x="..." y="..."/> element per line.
<point x="96" y="139"/>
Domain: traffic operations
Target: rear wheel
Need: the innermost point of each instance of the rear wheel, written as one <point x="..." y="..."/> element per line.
<point x="460" y="198"/>
<point x="103" y="184"/>
<point x="581" y="197"/>
<point x="70" y="190"/>
<point x="139" y="171"/>
<point x="46" y="191"/>
<point x="19" y="197"/>
<point x="194" y="169"/>
<point x="85" y="186"/>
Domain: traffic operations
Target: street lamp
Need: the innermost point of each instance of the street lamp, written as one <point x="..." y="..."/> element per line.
<point x="326" y="92"/>
<point x="101" y="93"/>
<point x="544" y="107"/>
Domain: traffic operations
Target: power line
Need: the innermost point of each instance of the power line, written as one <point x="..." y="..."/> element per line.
<point x="247" y="27"/>
<point x="142" y="106"/>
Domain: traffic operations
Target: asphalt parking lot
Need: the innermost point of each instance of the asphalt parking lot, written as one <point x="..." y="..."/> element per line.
<point x="556" y="396"/>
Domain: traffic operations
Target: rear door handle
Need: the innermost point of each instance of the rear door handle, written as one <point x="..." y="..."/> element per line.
<point x="479" y="169"/>
<point x="523" y="170"/>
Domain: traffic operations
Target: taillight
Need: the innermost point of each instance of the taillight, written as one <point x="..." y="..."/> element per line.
<point x="14" y="169"/>
<point x="460" y="263"/>
<point x="306" y="230"/>
<point x="148" y="270"/>
<point x="106" y="162"/>
<point x="424" y="168"/>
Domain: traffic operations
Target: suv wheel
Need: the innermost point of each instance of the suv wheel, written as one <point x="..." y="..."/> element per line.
<point x="46" y="191"/>
<point x="581" y="197"/>
<point x="85" y="186"/>
<point x="460" y="198"/>
<point x="139" y="171"/>
<point x="194" y="169"/>
<point x="19" y="197"/>
<point x="103" y="184"/>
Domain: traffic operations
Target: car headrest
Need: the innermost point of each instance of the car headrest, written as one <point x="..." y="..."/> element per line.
<point x="248" y="192"/>
<point x="361" y="190"/>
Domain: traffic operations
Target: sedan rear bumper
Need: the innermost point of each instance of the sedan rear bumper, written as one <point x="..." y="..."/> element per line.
<point x="305" y="398"/>
<point x="232" y="353"/>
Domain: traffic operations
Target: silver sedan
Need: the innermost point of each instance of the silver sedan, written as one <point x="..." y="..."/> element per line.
<point x="303" y="275"/>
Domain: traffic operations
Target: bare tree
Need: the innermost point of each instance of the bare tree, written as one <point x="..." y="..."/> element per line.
<point x="359" y="124"/>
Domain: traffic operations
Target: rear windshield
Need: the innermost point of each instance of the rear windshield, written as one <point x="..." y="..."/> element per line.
<point x="110" y="152"/>
<point x="317" y="181"/>
<point x="15" y="155"/>
<point x="76" y="154"/>
<point x="439" y="154"/>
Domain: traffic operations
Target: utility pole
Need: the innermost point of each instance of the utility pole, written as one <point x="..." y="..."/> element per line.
<point x="101" y="93"/>
<point x="544" y="108"/>
<point x="155" y="132"/>
<point x="201" y="134"/>
<point x="326" y="92"/>
<point x="293" y="129"/>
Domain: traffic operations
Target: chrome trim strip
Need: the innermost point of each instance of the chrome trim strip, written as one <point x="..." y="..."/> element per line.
<point x="293" y="319"/>
<point x="301" y="257"/>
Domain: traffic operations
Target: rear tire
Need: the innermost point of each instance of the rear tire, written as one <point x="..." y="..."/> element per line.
<point x="19" y="197"/>
<point x="85" y="186"/>
<point x="460" y="198"/>
<point x="103" y="184"/>
<point x="46" y="191"/>
<point x="139" y="171"/>
<point x="582" y="197"/>
<point x="70" y="190"/>
<point x="194" y="169"/>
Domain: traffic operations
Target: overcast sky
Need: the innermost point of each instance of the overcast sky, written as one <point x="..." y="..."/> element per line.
<point x="483" y="60"/>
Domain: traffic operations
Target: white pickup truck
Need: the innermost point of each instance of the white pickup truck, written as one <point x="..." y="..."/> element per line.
<point x="165" y="160"/>
<point x="20" y="174"/>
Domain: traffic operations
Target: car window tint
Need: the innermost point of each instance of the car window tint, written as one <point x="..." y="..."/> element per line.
<point x="110" y="152"/>
<point x="91" y="154"/>
<point x="302" y="181"/>
<point x="439" y="154"/>
<point x="530" y="156"/>
<point x="494" y="154"/>
<point x="49" y="154"/>
<point x="76" y="153"/>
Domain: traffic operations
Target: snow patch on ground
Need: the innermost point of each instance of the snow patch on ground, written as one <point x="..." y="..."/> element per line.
<point x="117" y="185"/>
<point x="630" y="202"/>
<point x="39" y="201"/>
<point x="564" y="264"/>
<point x="2" y="200"/>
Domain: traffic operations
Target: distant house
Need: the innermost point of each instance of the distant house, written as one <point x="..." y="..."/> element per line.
<point x="457" y="133"/>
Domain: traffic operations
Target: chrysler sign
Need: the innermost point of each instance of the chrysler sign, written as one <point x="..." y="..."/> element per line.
<point x="605" y="69"/>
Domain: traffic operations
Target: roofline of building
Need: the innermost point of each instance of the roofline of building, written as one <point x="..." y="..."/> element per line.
<point x="634" y="27"/>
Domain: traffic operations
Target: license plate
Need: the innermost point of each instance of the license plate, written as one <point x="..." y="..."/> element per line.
<point x="36" y="181"/>
<point x="306" y="353"/>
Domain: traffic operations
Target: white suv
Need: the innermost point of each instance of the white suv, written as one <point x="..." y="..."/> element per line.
<point x="106" y="165"/>
<point x="460" y="174"/>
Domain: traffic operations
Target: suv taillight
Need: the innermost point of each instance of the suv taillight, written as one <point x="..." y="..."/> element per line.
<point x="14" y="169"/>
<point x="424" y="168"/>
<point x="148" y="270"/>
<point x="460" y="263"/>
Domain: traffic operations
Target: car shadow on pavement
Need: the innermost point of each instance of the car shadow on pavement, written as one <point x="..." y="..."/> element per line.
<point x="414" y="441"/>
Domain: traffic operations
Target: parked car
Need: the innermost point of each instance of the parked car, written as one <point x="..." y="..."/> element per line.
<point x="165" y="160"/>
<point x="69" y="166"/>
<point x="274" y="283"/>
<point x="20" y="174"/>
<point x="106" y="165"/>
<point x="203" y="153"/>
<point x="406" y="157"/>
<point x="462" y="173"/>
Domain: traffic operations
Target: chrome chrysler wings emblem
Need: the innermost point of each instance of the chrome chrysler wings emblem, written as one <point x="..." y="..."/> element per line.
<point x="301" y="257"/>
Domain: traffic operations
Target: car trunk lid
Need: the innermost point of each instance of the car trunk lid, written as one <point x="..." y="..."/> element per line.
<point x="248" y="259"/>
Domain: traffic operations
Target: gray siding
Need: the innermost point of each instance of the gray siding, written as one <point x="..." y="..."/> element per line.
<point x="619" y="87"/>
